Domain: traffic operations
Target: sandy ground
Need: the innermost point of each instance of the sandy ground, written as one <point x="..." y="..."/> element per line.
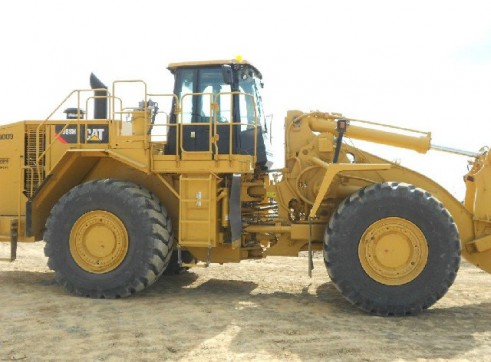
<point x="256" y="310"/>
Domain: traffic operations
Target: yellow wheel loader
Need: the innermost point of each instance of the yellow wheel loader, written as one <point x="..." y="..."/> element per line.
<point x="122" y="192"/>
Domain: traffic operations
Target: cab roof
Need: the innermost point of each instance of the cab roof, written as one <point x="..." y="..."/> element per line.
<point x="204" y="63"/>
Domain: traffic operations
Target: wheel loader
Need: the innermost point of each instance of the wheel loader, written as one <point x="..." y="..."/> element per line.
<point x="123" y="192"/>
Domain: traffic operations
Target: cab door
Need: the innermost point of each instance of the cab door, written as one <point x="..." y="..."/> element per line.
<point x="205" y="110"/>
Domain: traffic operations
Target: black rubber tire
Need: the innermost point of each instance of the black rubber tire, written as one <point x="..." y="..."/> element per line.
<point x="173" y="268"/>
<point x="149" y="232"/>
<point x="356" y="213"/>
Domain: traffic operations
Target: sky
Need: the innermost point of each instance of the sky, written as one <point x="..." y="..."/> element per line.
<point x="419" y="64"/>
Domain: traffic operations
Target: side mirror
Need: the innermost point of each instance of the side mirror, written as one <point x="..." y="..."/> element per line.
<point x="227" y="74"/>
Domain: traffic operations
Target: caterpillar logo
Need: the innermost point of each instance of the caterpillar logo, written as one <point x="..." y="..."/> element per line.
<point x="6" y="136"/>
<point x="94" y="134"/>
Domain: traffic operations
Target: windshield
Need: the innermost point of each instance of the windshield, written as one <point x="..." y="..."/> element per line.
<point x="250" y="98"/>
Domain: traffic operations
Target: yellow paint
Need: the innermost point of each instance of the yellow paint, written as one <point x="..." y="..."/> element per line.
<point x="98" y="242"/>
<point x="479" y="245"/>
<point x="198" y="210"/>
<point x="332" y="170"/>
<point x="393" y="251"/>
<point x="195" y="186"/>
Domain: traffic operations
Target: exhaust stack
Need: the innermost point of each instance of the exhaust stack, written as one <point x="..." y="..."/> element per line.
<point x="100" y="100"/>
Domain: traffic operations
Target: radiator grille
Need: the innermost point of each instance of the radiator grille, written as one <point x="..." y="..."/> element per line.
<point x="35" y="140"/>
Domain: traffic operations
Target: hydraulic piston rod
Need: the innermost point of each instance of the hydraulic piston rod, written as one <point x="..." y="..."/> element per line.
<point x="454" y="151"/>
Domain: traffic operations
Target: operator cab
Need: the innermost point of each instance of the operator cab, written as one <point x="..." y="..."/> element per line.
<point x="218" y="110"/>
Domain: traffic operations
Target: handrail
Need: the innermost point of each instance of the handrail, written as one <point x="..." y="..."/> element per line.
<point x="68" y="123"/>
<point x="203" y="124"/>
<point x="145" y="100"/>
<point x="232" y="124"/>
<point x="213" y="123"/>
<point x="57" y="108"/>
<point x="117" y="109"/>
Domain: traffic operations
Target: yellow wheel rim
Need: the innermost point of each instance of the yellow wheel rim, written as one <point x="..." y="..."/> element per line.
<point x="98" y="242"/>
<point x="393" y="251"/>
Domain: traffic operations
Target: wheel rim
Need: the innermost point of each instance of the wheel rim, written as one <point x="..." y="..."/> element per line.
<point x="98" y="242"/>
<point x="393" y="251"/>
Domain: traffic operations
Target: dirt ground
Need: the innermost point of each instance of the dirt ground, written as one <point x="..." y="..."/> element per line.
<point x="262" y="310"/>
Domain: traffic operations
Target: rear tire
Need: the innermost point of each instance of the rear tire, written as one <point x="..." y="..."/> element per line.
<point x="108" y="239"/>
<point x="392" y="249"/>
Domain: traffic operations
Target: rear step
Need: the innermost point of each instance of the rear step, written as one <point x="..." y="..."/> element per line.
<point x="14" y="234"/>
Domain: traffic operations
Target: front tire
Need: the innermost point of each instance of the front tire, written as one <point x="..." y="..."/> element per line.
<point x="392" y="249"/>
<point x="108" y="239"/>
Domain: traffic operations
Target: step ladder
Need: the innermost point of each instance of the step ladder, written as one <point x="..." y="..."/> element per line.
<point x="14" y="234"/>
